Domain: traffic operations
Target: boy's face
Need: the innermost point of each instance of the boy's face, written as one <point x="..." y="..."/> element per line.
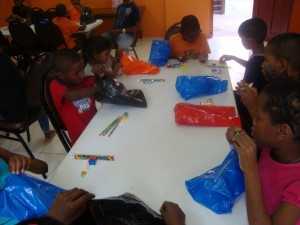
<point x="18" y="2"/>
<point x="102" y="57"/>
<point x="263" y="131"/>
<point x="245" y="42"/>
<point x="75" y="2"/>
<point x="191" y="36"/>
<point x="272" y="68"/>
<point x="126" y="1"/>
<point x="74" y="76"/>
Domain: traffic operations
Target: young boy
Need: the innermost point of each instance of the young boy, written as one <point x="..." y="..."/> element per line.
<point x="67" y="26"/>
<point x="190" y="43"/>
<point x="127" y="24"/>
<point x="72" y="92"/>
<point x="20" y="12"/>
<point x="75" y="10"/>
<point x="252" y="33"/>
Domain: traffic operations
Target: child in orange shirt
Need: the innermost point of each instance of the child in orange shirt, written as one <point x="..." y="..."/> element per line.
<point x="190" y="43"/>
<point x="67" y="26"/>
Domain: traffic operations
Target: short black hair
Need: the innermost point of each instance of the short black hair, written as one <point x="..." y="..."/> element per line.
<point x="64" y="59"/>
<point x="254" y="28"/>
<point x="95" y="45"/>
<point x="283" y="103"/>
<point x="45" y="220"/>
<point x="61" y="10"/>
<point x="286" y="46"/>
<point x="190" y="23"/>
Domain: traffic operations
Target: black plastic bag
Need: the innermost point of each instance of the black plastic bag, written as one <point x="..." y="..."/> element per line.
<point x="125" y="209"/>
<point x="112" y="91"/>
<point x="87" y="15"/>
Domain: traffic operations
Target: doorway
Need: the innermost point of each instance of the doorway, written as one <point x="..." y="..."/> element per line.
<point x="227" y="20"/>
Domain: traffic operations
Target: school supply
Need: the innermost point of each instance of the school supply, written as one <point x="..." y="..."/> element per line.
<point x="133" y="66"/>
<point x="159" y="53"/>
<point x="94" y="157"/>
<point x="206" y="115"/>
<point x="111" y="127"/>
<point x="194" y="86"/>
<point x="219" y="187"/>
<point x="112" y="91"/>
<point x="151" y="81"/>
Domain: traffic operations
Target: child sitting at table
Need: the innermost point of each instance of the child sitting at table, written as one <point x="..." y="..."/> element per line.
<point x="72" y="92"/>
<point x="252" y="33"/>
<point x="67" y="26"/>
<point x="191" y="42"/>
<point x="272" y="183"/>
<point x="97" y="52"/>
<point x="20" y="12"/>
<point x="16" y="164"/>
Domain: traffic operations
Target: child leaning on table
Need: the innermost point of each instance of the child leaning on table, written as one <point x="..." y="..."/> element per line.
<point x="72" y="92"/>
<point x="272" y="183"/>
<point x="16" y="164"/>
<point x="252" y="33"/>
<point x="191" y="42"/>
<point x="96" y="51"/>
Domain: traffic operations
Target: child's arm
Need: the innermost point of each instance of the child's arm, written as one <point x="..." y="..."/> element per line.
<point x="73" y="95"/>
<point x="19" y="163"/>
<point x="172" y="214"/>
<point x="225" y="58"/>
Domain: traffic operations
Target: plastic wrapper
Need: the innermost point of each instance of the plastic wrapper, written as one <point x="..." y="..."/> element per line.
<point x="133" y="66"/>
<point x="194" y="86"/>
<point x="203" y="115"/>
<point x="160" y="51"/>
<point x="125" y="209"/>
<point x="25" y="197"/>
<point x="219" y="187"/>
<point x="112" y="91"/>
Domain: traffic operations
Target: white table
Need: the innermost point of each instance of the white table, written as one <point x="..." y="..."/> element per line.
<point x="6" y="33"/>
<point x="153" y="156"/>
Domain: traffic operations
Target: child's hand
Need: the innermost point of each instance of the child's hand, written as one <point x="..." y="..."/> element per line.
<point x="18" y="164"/>
<point x="98" y="69"/>
<point x="172" y="214"/>
<point x="232" y="131"/>
<point x="225" y="58"/>
<point x="203" y="58"/>
<point x="246" y="149"/>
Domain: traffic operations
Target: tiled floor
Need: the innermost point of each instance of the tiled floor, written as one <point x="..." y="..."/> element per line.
<point x="225" y="41"/>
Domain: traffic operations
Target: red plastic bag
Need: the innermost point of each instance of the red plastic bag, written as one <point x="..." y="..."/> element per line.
<point x="202" y="115"/>
<point x="133" y="66"/>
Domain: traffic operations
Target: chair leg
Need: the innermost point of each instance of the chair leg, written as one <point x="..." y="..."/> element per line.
<point x="28" y="150"/>
<point x="28" y="134"/>
<point x="133" y="49"/>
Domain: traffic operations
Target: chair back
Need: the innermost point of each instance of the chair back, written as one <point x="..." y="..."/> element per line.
<point x="50" y="14"/>
<point x="36" y="14"/>
<point x="4" y="42"/>
<point x="49" y="35"/>
<point x="23" y="35"/>
<point x="49" y="106"/>
<point x="174" y="29"/>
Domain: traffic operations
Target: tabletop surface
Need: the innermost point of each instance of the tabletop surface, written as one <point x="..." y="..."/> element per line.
<point x="153" y="155"/>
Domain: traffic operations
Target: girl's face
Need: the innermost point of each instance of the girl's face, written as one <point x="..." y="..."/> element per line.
<point x="263" y="131"/>
<point x="102" y="57"/>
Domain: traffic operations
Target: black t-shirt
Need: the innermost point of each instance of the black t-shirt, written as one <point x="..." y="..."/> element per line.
<point x="253" y="72"/>
<point x="12" y="99"/>
<point x="22" y="11"/>
<point x="127" y="15"/>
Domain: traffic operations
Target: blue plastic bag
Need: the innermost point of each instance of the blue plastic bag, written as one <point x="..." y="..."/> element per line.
<point x="159" y="54"/>
<point x="219" y="187"/>
<point x="25" y="197"/>
<point x="193" y="86"/>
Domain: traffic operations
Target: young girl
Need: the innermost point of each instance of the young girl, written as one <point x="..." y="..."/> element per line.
<point x="96" y="51"/>
<point x="16" y="164"/>
<point x="272" y="183"/>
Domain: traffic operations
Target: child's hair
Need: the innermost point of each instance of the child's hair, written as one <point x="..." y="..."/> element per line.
<point x="95" y="45"/>
<point x="190" y="23"/>
<point x="286" y="46"/>
<point x="64" y="59"/>
<point x="254" y="28"/>
<point x="61" y="10"/>
<point x="283" y="103"/>
<point x="45" y="220"/>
